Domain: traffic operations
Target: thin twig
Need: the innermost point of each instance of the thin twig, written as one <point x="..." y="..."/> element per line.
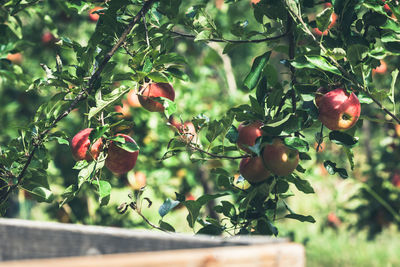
<point x="223" y="40"/>
<point x="133" y="207"/>
<point x="192" y="146"/>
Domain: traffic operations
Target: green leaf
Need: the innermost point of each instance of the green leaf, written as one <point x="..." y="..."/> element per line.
<point x="147" y="66"/>
<point x="69" y="194"/>
<point x="169" y="107"/>
<point x="302" y="185"/>
<point x="204" y="35"/>
<point x="158" y="77"/>
<point x="343" y="139"/>
<point x="322" y="64"/>
<point x="324" y="19"/>
<point x="232" y="134"/>
<point x="128" y="146"/>
<point x="194" y="209"/>
<point x="104" y="191"/>
<point x="167" y="206"/>
<point x="301" y="218"/>
<point x="166" y="226"/>
<point x="257" y="68"/>
<point x="331" y="168"/>
<point x="103" y="101"/>
<point x="210" y="230"/>
<point x="297" y="143"/>
<point x="62" y="141"/>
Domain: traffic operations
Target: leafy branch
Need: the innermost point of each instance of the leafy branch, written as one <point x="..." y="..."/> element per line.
<point x="82" y="95"/>
<point x="295" y="12"/>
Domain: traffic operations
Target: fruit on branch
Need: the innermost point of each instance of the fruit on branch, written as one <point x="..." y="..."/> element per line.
<point x="80" y="145"/>
<point x="118" y="160"/>
<point x="154" y="90"/>
<point x="186" y="130"/>
<point x="48" y="38"/>
<point x="381" y="69"/>
<point x="338" y="110"/>
<point x="396" y="179"/>
<point x="333" y="220"/>
<point x="125" y="109"/>
<point x="319" y="93"/>
<point x="280" y="159"/>
<point x="93" y="16"/>
<point x="15" y="58"/>
<point x="255" y="2"/>
<point x="133" y="99"/>
<point x="136" y="180"/>
<point x="397" y="129"/>
<point x="386" y="7"/>
<point x="253" y="169"/>
<point x="248" y="133"/>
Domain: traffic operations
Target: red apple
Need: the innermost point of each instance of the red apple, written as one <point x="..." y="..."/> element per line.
<point x="280" y="159"/>
<point x="189" y="196"/>
<point x="154" y="90"/>
<point x="118" y="160"/>
<point x="333" y="220"/>
<point x="133" y="99"/>
<point x="381" y="69"/>
<point x="253" y="169"/>
<point x="255" y="2"/>
<point x="248" y="133"/>
<point x="339" y="110"/>
<point x="396" y="179"/>
<point x="125" y="109"/>
<point x="319" y="93"/>
<point x="15" y="58"/>
<point x="136" y="180"/>
<point x="93" y="16"/>
<point x="48" y="38"/>
<point x="80" y="144"/>
<point x="397" y="129"/>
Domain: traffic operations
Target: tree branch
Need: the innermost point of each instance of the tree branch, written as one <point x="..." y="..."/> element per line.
<point x="223" y="40"/>
<point x="192" y="146"/>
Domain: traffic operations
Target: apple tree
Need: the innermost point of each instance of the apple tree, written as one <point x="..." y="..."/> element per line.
<point x="295" y="73"/>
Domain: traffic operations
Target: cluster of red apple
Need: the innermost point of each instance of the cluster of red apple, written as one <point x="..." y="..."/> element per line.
<point x="118" y="160"/>
<point x="338" y="110"/>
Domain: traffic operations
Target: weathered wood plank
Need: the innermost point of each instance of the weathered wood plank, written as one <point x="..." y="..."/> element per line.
<point x="269" y="255"/>
<point x="20" y="239"/>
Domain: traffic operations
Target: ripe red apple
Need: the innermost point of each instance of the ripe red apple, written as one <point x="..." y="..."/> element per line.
<point x="136" y="180"/>
<point x="396" y="179"/>
<point x="339" y="110"/>
<point x="333" y="220"/>
<point x="397" y="129"/>
<point x="93" y="16"/>
<point x="381" y="69"/>
<point x="280" y="159"/>
<point x="133" y="99"/>
<point x="15" y="58"/>
<point x="125" y="109"/>
<point x="255" y="2"/>
<point x="319" y="93"/>
<point x="248" y="133"/>
<point x="253" y="169"/>
<point x="48" y="38"/>
<point x="80" y="144"/>
<point x="118" y="160"/>
<point x="154" y="90"/>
